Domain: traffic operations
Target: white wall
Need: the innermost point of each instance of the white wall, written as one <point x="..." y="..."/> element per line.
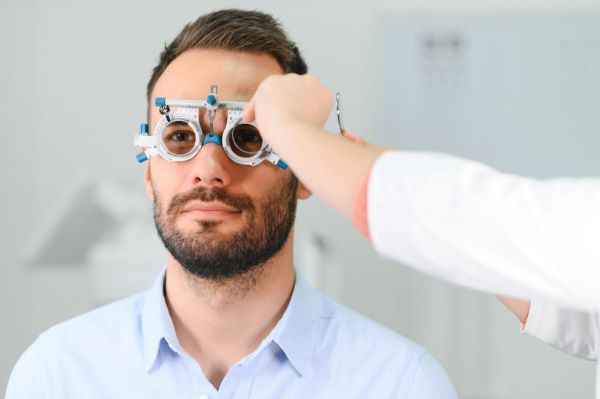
<point x="73" y="76"/>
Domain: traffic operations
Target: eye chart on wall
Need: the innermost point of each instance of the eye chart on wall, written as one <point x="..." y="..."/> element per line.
<point x="521" y="94"/>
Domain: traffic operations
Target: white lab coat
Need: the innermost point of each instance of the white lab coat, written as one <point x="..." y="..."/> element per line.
<point x="469" y="224"/>
<point x="466" y="223"/>
<point x="571" y="331"/>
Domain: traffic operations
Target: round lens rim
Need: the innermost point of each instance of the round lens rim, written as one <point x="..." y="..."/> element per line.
<point x="233" y="136"/>
<point x="164" y="150"/>
<point x="260" y="156"/>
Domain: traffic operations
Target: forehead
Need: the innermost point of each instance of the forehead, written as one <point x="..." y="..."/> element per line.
<point x="191" y="75"/>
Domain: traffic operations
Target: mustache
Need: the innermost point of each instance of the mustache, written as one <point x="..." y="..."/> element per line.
<point x="209" y="194"/>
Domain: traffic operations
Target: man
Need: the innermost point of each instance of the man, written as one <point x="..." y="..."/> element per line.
<point x="228" y="317"/>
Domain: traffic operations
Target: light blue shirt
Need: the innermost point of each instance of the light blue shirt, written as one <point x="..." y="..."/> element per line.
<point x="318" y="349"/>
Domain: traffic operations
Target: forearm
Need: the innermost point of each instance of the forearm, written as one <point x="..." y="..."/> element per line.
<point x="329" y="165"/>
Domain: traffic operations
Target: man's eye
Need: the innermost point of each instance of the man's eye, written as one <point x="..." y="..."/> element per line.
<point x="245" y="140"/>
<point x="179" y="139"/>
<point x="248" y="137"/>
<point x="181" y="136"/>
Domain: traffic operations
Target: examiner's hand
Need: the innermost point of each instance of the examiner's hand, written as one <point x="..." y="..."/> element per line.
<point x="281" y="100"/>
<point x="350" y="136"/>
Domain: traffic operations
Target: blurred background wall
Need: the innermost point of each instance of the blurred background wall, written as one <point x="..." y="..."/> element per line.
<point x="75" y="225"/>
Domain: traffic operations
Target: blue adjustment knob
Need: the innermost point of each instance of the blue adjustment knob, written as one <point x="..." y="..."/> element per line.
<point x="282" y="164"/>
<point x="160" y="101"/>
<point x="144" y="128"/>
<point x="141" y="157"/>
<point x="211" y="99"/>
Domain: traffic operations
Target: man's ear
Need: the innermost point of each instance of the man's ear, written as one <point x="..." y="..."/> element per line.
<point x="148" y="181"/>
<point x="302" y="193"/>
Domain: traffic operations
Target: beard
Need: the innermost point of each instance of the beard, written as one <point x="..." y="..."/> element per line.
<point x="219" y="257"/>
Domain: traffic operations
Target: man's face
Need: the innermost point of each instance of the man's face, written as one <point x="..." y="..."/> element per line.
<point x="219" y="219"/>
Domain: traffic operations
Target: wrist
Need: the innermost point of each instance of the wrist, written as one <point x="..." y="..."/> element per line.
<point x="285" y="128"/>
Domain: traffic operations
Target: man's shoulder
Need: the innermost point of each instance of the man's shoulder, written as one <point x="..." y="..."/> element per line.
<point x="117" y="318"/>
<point x="395" y="362"/>
<point x="365" y="333"/>
<point x="100" y="329"/>
<point x="87" y="342"/>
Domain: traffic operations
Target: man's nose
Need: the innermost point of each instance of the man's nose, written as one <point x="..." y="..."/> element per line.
<point x="211" y="167"/>
<point x="211" y="164"/>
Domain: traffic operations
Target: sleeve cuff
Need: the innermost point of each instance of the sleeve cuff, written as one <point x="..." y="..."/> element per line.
<point x="535" y="320"/>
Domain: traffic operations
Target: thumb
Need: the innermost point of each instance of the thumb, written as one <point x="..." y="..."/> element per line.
<point x="249" y="113"/>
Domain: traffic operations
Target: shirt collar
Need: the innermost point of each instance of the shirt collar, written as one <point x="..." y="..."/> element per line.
<point x="156" y="322"/>
<point x="296" y="333"/>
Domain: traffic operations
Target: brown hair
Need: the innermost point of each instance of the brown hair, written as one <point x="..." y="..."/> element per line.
<point x="238" y="30"/>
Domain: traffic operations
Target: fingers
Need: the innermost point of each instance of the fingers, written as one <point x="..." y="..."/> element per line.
<point x="280" y="99"/>
<point x="350" y="136"/>
<point x="249" y="114"/>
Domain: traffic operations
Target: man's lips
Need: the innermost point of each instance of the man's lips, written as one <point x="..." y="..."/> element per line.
<point x="212" y="208"/>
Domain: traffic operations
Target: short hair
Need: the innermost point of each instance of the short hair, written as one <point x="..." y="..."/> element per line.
<point x="237" y="30"/>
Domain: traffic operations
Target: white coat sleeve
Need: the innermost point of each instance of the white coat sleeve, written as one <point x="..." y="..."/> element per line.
<point x="471" y="225"/>
<point x="571" y="331"/>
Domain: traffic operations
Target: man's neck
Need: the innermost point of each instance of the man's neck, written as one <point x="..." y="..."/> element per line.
<point x="219" y="323"/>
